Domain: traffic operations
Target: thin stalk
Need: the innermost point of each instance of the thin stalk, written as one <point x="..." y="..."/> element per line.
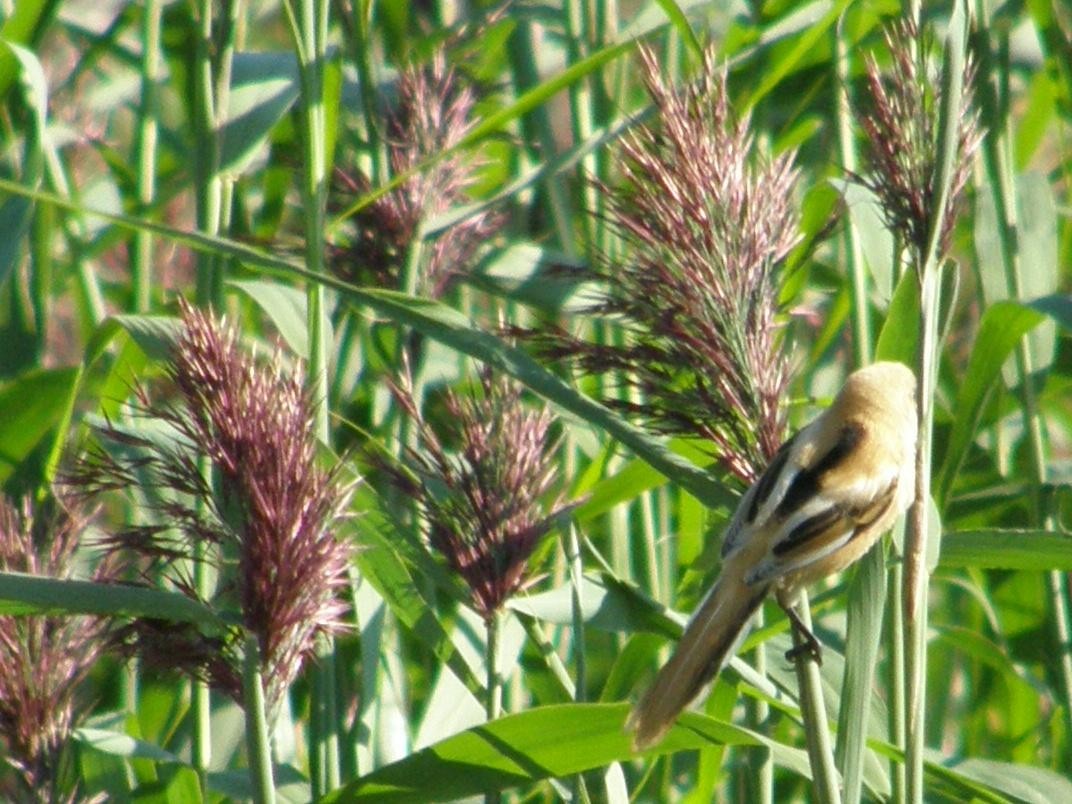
<point x="917" y="535"/>
<point x="493" y="687"/>
<point x="309" y="30"/>
<point x="206" y="157"/>
<point x="257" y="743"/>
<point x="538" y="129"/>
<point x="854" y="262"/>
<point x="77" y="234"/>
<point x="369" y="101"/>
<point x="211" y="86"/>
<point x="582" y="112"/>
<point x="576" y="577"/>
<point x="41" y="263"/>
<point x="580" y="660"/>
<point x="141" y="257"/>
<point x="534" y="631"/>
<point x="898" y="696"/>
<point x="201" y="701"/>
<point x="761" y="759"/>
<point x="825" y="780"/>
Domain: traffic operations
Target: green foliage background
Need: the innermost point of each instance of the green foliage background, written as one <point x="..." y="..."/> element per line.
<point x="135" y="171"/>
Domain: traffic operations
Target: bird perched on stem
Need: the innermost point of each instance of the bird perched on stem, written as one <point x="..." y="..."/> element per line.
<point x="827" y="496"/>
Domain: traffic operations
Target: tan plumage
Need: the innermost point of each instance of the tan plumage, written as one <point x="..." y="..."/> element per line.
<point x="829" y="493"/>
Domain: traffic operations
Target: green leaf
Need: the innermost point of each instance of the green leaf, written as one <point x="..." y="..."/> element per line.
<point x="876" y="240"/>
<point x="606" y="603"/>
<point x="681" y="23"/>
<point x="865" y="609"/>
<point x="22" y="26"/>
<point x="1002" y="326"/>
<point x="628" y="483"/>
<point x="381" y="566"/>
<point x="30" y="407"/>
<point x="285" y="305"/>
<point x="544" y="743"/>
<point x="122" y="745"/>
<point x="1021" y="782"/>
<point x="1037" y="262"/>
<point x="1007" y="548"/>
<point x="157" y="335"/>
<point x="22" y="594"/>
<point x="899" y="337"/>
<point x="1058" y="307"/>
<point x="532" y="275"/>
<point x="264" y="86"/>
<point x="16" y="213"/>
<point x="813" y="22"/>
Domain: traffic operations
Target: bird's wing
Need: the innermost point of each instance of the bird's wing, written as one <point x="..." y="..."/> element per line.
<point x="818" y="504"/>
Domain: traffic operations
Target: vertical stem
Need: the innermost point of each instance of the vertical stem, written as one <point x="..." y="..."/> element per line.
<point x="211" y="86"/>
<point x="312" y="51"/>
<point x="867" y="588"/>
<point x="813" y="711"/>
<point x="861" y="323"/>
<point x="257" y="743"/>
<point x="493" y="688"/>
<point x="206" y="158"/>
<point x="580" y="659"/>
<point x="141" y="258"/>
<point x="916" y="537"/>
<point x="898" y="698"/>
<point x="367" y="79"/>
<point x="762" y="760"/>
<point x="576" y="572"/>
<point x="581" y="112"/>
<point x="309" y="29"/>
<point x="537" y="125"/>
<point x="916" y="573"/>
<point x="77" y="235"/>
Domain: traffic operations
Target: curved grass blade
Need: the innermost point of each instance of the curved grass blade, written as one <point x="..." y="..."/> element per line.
<point x="22" y="594"/>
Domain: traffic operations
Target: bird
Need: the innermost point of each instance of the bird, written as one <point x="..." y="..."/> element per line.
<point x="828" y="494"/>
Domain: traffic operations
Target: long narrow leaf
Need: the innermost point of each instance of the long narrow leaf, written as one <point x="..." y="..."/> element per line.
<point x="29" y="594"/>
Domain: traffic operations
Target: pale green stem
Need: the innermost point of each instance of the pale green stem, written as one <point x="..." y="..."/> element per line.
<point x="493" y="687"/>
<point x="258" y="744"/>
<point x="898" y="698"/>
<point x="538" y="128"/>
<point x="141" y="256"/>
<point x="581" y="111"/>
<point x="917" y="536"/>
<point x="760" y="757"/>
<point x="77" y="235"/>
<point x="367" y="78"/>
<point x="825" y="783"/>
<point x="206" y="158"/>
<point x="580" y="660"/>
<point x="309" y="29"/>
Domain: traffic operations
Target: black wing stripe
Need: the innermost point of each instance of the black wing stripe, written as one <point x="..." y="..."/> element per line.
<point x="806" y="483"/>
<point x="765" y="484"/>
<point x="807" y="530"/>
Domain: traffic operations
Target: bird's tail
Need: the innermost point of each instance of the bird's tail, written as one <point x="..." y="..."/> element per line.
<point x="712" y="636"/>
